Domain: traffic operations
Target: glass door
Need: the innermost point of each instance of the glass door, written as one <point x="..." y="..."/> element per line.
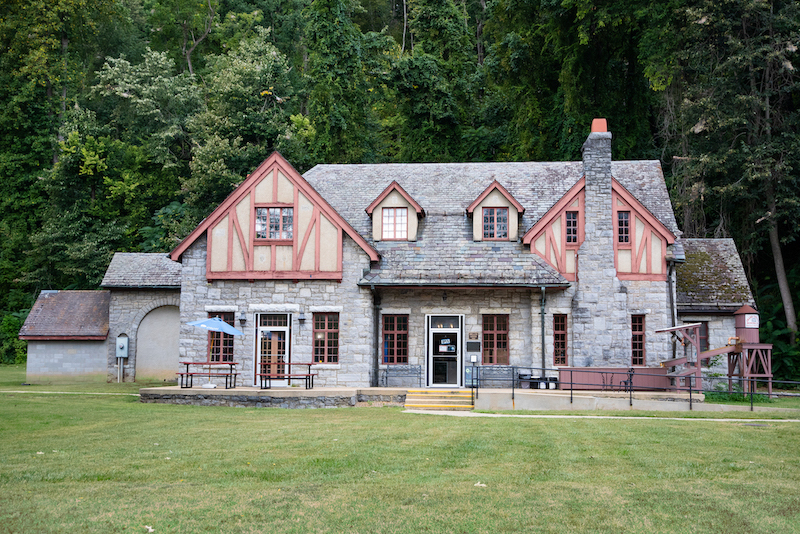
<point x="273" y="347"/>
<point x="444" y="350"/>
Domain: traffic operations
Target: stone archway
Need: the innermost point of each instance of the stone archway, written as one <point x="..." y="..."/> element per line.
<point x="157" y="344"/>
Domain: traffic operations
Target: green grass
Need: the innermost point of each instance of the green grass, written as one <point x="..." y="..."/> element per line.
<point x="12" y="378"/>
<point x="111" y="464"/>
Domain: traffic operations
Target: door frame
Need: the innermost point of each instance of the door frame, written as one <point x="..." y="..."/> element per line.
<point x="459" y="331"/>
<point x="257" y="349"/>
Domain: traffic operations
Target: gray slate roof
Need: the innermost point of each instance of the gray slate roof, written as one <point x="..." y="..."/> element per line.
<point x="142" y="270"/>
<point x="713" y="278"/>
<point x="445" y="252"/>
<point x="60" y="314"/>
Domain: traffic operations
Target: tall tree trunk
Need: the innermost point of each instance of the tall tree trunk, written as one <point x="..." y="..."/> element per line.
<point x="780" y="271"/>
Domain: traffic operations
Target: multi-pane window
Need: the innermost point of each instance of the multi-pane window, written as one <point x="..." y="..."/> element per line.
<point x="637" y="340"/>
<point x="395" y="339"/>
<point x="274" y="223"/>
<point x="623" y="227"/>
<point x="572" y="227"/>
<point x="495" y="223"/>
<point x="495" y="339"/>
<point x="559" y="339"/>
<point x="326" y="338"/>
<point x="395" y="223"/>
<point x="220" y="344"/>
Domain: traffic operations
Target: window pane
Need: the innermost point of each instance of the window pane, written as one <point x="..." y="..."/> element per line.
<point x="261" y="223"/>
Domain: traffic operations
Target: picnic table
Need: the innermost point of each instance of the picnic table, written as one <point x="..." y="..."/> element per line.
<point x="229" y="374"/>
<point x="266" y="378"/>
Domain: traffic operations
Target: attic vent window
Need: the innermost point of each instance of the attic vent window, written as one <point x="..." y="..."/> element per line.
<point x="274" y="223"/>
<point x="623" y="227"/>
<point x="572" y="227"/>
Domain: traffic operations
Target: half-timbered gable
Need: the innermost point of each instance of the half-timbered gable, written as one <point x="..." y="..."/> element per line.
<point x="558" y="235"/>
<point x="640" y="239"/>
<point x="274" y="226"/>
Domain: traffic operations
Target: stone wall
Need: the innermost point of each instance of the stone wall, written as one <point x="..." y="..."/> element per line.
<point x="354" y="305"/>
<point x="267" y="401"/>
<point x="125" y="313"/>
<point x="54" y="360"/>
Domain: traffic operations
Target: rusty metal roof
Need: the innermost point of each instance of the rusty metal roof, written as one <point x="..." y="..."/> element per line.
<point x="68" y="315"/>
<point x="713" y="277"/>
<point x="142" y="270"/>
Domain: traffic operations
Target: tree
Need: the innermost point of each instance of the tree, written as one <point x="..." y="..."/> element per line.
<point x="737" y="120"/>
<point x="344" y="67"/>
<point x="249" y="97"/>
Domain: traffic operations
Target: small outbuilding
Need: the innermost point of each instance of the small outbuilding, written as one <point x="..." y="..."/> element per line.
<point x="66" y="333"/>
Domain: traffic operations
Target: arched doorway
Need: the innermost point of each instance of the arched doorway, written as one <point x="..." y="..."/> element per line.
<point x="157" y="344"/>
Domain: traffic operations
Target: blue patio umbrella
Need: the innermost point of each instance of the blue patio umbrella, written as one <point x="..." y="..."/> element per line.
<point x="215" y="324"/>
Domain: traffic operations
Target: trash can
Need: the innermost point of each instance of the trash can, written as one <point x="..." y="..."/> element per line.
<point x="524" y="381"/>
<point x="552" y="382"/>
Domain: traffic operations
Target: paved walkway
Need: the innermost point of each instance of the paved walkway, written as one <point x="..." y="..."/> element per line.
<point x="546" y="416"/>
<point x="70" y="393"/>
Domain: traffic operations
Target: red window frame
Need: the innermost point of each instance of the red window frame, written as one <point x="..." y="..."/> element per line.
<point x="220" y="344"/>
<point x="572" y="226"/>
<point x="395" y="339"/>
<point x="399" y="230"/>
<point x="559" y="339"/>
<point x="495" y="340"/>
<point x="492" y="229"/>
<point x="624" y="227"/>
<point x="274" y="223"/>
<point x="326" y="337"/>
<point x="637" y="340"/>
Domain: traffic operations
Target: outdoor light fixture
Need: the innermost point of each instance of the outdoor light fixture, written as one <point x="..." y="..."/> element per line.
<point x="242" y="318"/>
<point x="301" y="317"/>
<point x="444" y="296"/>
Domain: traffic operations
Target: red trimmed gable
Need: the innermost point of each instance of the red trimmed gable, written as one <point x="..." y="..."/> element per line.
<point x="394" y="186"/>
<point x="641" y="257"/>
<point x="549" y="239"/>
<point x="641" y="252"/>
<point x="495" y="185"/>
<point x="274" y="225"/>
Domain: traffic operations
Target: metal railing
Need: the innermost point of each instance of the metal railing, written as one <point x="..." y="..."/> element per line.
<point x="628" y="381"/>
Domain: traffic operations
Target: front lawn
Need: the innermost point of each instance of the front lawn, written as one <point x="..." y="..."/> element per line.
<point x="111" y="464"/>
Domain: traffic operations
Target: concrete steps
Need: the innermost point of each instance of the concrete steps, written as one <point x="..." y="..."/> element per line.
<point x="439" y="399"/>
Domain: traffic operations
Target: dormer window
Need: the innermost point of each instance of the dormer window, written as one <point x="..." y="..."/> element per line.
<point x="395" y="223"/>
<point x="495" y="223"/>
<point x="274" y="223"/>
<point x="395" y="215"/>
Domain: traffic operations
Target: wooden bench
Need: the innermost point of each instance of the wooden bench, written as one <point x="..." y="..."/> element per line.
<point x="230" y="374"/>
<point x="401" y="370"/>
<point x="267" y="378"/>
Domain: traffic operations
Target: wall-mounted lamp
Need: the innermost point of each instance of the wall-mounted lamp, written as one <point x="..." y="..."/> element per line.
<point x="444" y="296"/>
<point x="301" y="317"/>
<point x="242" y="318"/>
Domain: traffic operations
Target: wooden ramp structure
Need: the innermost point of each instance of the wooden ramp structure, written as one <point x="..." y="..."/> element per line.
<point x="747" y="362"/>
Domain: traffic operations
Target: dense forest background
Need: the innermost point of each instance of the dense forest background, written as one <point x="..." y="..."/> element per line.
<point x="124" y="122"/>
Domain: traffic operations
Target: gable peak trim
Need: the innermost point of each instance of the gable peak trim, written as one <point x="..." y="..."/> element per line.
<point x="503" y="191"/>
<point x="394" y="186"/>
